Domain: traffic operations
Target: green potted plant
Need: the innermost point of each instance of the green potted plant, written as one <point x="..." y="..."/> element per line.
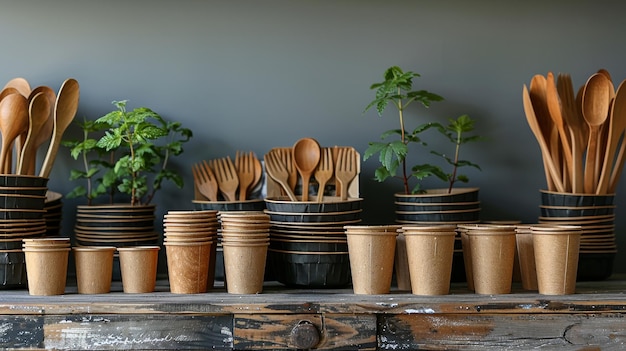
<point x="125" y="159"/>
<point x="397" y="90"/>
<point x="417" y="204"/>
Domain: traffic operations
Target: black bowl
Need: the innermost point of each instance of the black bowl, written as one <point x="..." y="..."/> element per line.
<point x="331" y="204"/>
<point x="551" y="198"/>
<point x="441" y="196"/>
<point x="13" y="180"/>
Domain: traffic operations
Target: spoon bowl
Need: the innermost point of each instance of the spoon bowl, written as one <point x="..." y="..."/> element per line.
<point x="13" y="122"/>
<point x="306" y="156"/>
<point x="596" y="100"/>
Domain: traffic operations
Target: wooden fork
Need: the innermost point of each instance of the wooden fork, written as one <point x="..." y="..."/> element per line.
<point x="226" y="176"/>
<point x="205" y="181"/>
<point x="324" y="172"/>
<point x="287" y="159"/>
<point x="276" y="170"/>
<point x="245" y="172"/>
<point x="346" y="170"/>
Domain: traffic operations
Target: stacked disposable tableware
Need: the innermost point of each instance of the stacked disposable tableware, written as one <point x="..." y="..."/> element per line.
<point x="121" y="225"/>
<point x="46" y="265"/>
<point x="581" y="138"/>
<point x="595" y="214"/>
<point x="245" y="237"/>
<point x="22" y="201"/>
<point x="190" y="239"/>
<point x="308" y="241"/>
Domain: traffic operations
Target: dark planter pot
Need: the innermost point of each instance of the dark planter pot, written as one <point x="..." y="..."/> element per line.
<point x="311" y="270"/>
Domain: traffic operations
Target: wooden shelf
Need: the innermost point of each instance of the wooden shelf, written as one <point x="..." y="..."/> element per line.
<point x="282" y="318"/>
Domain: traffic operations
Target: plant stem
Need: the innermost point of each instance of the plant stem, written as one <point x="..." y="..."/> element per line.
<point x="86" y="164"/>
<point x="405" y="179"/>
<point x="456" y="160"/>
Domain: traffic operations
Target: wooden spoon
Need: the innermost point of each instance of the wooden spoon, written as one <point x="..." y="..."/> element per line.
<point x="13" y="121"/>
<point x="38" y="111"/>
<point x="21" y="84"/>
<point x="64" y="111"/>
<point x="543" y="123"/>
<point x="576" y="126"/>
<point x="46" y="131"/>
<point x="617" y="126"/>
<point x="551" y="171"/>
<point x="7" y="91"/>
<point x="596" y="102"/>
<point x="554" y="107"/>
<point x="306" y="156"/>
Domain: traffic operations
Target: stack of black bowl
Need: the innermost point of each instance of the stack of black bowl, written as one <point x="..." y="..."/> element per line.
<point x="115" y="225"/>
<point x="596" y="215"/>
<point x="22" y="200"/>
<point x="308" y="244"/>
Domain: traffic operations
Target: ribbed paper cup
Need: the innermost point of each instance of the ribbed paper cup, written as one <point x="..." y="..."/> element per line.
<point x="372" y="251"/>
<point x="430" y="252"/>
<point x="493" y="255"/>
<point x="244" y="267"/>
<point x="94" y="269"/>
<point x="188" y="266"/>
<point x="556" y="257"/>
<point x="138" y="265"/>
<point x="46" y="269"/>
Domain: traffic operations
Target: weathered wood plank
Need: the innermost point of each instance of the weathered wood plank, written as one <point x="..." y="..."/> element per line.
<point x="273" y="332"/>
<point x="502" y="332"/>
<point x="115" y="332"/>
<point x="21" y="332"/>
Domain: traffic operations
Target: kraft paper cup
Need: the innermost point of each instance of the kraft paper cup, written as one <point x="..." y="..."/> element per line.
<point x="371" y="250"/>
<point x="430" y="252"/>
<point x="138" y="266"/>
<point x="94" y="269"/>
<point x="556" y="257"/>
<point x="244" y="267"/>
<point x="188" y="266"/>
<point x="526" y="255"/>
<point x="46" y="270"/>
<point x="493" y="256"/>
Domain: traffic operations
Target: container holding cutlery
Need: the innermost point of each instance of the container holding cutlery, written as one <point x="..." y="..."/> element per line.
<point x="581" y="137"/>
<point x="308" y="243"/>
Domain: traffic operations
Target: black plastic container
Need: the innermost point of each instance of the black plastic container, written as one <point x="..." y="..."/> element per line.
<point x="310" y="270"/>
<point x="12" y="270"/>
<point x="248" y="205"/>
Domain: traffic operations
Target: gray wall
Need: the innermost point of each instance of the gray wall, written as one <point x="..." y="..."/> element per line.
<point x="252" y="75"/>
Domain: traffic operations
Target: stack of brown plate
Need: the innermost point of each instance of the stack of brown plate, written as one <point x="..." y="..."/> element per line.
<point x="115" y="226"/>
<point x="308" y="244"/>
<point x="22" y="201"/>
<point x="54" y="212"/>
<point x="596" y="215"/>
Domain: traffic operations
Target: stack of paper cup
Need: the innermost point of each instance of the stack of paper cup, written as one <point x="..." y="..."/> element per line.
<point x="46" y="265"/>
<point x="190" y="239"/>
<point x="245" y="239"/>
